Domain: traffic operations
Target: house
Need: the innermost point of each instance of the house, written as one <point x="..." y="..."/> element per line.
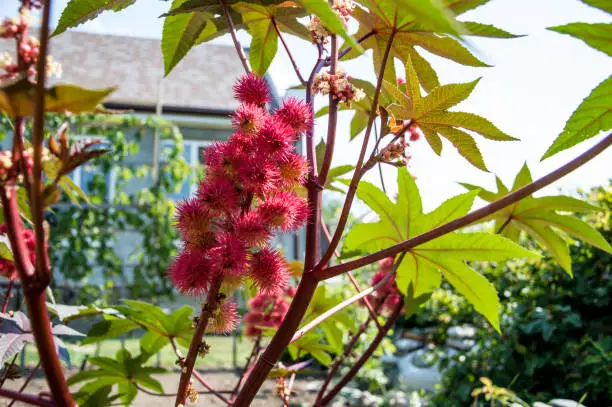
<point x="196" y="97"/>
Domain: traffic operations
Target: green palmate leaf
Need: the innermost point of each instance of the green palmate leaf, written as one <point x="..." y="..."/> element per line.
<point x="79" y="11"/>
<point x="423" y="266"/>
<point x="486" y="30"/>
<point x="541" y="219"/>
<point x="601" y="4"/>
<point x="426" y="74"/>
<point x="593" y="116"/>
<point x="180" y="33"/>
<point x="430" y="13"/>
<point x="330" y="20"/>
<point x="596" y="35"/>
<point x="431" y="115"/>
<point x="446" y="96"/>
<point x="108" y="329"/>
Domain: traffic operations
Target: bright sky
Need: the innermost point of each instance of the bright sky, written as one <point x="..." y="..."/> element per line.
<point x="535" y="84"/>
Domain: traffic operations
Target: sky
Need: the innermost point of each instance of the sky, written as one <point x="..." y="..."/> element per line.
<point x="533" y="87"/>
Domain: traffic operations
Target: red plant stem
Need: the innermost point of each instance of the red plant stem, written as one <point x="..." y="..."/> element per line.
<point x="289" y="54"/>
<point x="43" y="265"/>
<point x="350" y="276"/>
<point x="152" y="393"/>
<point x="350" y="195"/>
<point x="311" y="154"/>
<point x="471" y="217"/>
<point x="254" y="352"/>
<point x="348" y="49"/>
<point x="332" y="121"/>
<point x="212" y="302"/>
<point x="237" y="45"/>
<point x="7" y="296"/>
<point x="366" y="355"/>
<point x="339" y="307"/>
<point x="26" y="398"/>
<point x="199" y="377"/>
<point x="27" y="381"/>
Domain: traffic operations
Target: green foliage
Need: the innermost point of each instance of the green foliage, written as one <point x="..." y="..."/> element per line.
<point x="555" y="342"/>
<point x="79" y="11"/>
<point x="542" y="219"/>
<point x="84" y="239"/>
<point x="594" y="114"/>
<point x="162" y="328"/>
<point x="124" y="371"/>
<point x="422" y="265"/>
<point x="329" y="19"/>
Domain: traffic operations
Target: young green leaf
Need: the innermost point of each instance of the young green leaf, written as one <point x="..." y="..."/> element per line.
<point x="79" y="11"/>
<point x="540" y="218"/>
<point x="596" y="35"/>
<point x="180" y="33"/>
<point x="487" y="30"/>
<point x="422" y="265"/>
<point x="593" y="116"/>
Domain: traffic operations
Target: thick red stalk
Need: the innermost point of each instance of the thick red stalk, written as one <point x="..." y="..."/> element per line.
<point x="350" y="195"/>
<point x="212" y="302"/>
<point x="332" y="121"/>
<point x="34" y="292"/>
<point x="7" y="295"/>
<point x="471" y="217"/>
<point x="366" y="355"/>
<point x="43" y="265"/>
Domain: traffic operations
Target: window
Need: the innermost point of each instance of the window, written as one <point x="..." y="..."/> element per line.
<point x="193" y="151"/>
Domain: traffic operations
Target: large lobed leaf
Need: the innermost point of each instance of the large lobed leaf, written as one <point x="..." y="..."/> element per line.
<point x="544" y="219"/>
<point x="79" y="11"/>
<point x="423" y="266"/>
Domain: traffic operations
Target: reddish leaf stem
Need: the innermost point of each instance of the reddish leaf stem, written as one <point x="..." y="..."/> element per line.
<point x="26" y="398"/>
<point x="339" y="307"/>
<point x="237" y="45"/>
<point x="7" y="295"/>
<point x="27" y="381"/>
<point x="352" y="279"/>
<point x="212" y="302"/>
<point x="471" y="217"/>
<point x="289" y="54"/>
<point x="247" y="366"/>
<point x="332" y="122"/>
<point x="366" y="355"/>
<point x="350" y="195"/>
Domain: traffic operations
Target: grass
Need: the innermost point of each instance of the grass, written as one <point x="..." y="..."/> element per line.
<point x="220" y="357"/>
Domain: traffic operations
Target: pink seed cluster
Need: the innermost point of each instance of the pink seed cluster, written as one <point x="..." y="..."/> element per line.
<point x="247" y="196"/>
<point x="266" y="311"/>
<point x="7" y="267"/>
<point x="389" y="294"/>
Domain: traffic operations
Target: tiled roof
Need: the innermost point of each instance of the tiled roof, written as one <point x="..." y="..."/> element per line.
<point x="202" y="80"/>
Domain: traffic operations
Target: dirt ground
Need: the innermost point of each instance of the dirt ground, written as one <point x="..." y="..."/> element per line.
<point x="305" y="391"/>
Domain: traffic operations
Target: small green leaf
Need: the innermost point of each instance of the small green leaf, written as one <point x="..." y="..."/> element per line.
<point x="5" y="250"/>
<point x="600" y="4"/>
<point x="79" y="11"/>
<point x="596" y="35"/>
<point x="469" y="121"/>
<point x="486" y="30"/>
<point x="522" y="178"/>
<point x="593" y="116"/>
